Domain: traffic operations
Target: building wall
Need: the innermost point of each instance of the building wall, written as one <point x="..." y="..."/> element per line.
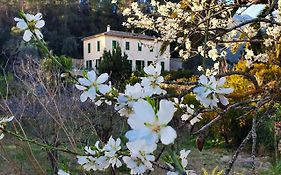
<point x="133" y="54"/>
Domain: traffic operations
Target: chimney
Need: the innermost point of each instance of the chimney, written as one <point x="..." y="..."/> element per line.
<point x="108" y="28"/>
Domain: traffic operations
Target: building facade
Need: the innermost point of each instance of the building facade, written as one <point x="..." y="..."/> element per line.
<point x="140" y="49"/>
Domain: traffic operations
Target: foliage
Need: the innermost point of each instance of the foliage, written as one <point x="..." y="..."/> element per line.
<point x="115" y="64"/>
<point x="175" y="75"/>
<point x="65" y="62"/>
<point x="7" y="85"/>
<point x="215" y="171"/>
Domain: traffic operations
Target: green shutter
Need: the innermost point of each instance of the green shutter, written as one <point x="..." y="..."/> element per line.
<point x="127" y="45"/>
<point x="89" y="47"/>
<point x="114" y="44"/>
<point x="98" y="46"/>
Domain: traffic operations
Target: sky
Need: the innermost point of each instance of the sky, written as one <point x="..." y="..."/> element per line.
<point x="252" y="11"/>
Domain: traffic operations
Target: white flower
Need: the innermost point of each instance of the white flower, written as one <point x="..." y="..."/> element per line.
<point x="148" y="125"/>
<point x="93" y="162"/>
<point x="33" y="24"/>
<point x="88" y="162"/>
<point x="111" y="149"/>
<point x="213" y="53"/>
<point x="61" y="172"/>
<point x="189" y="112"/>
<point x="3" y="122"/>
<point x="152" y="82"/>
<point x="210" y="92"/>
<point x="126" y="101"/>
<point x="91" y="85"/>
<point x="183" y="156"/>
<point x="141" y="156"/>
<point x="195" y="119"/>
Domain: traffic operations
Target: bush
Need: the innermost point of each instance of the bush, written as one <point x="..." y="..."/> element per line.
<point x="174" y="75"/>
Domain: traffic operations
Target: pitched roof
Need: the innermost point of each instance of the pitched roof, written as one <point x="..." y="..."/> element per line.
<point x="121" y="34"/>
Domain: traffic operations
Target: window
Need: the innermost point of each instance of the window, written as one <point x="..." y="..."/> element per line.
<point x="127" y="45"/>
<point x="89" y="47"/>
<point x="98" y="46"/>
<point x="162" y="66"/>
<point x="98" y="61"/>
<point x="151" y="49"/>
<point x="89" y="64"/>
<point x="139" y="65"/>
<point x="139" y="46"/>
<point x="114" y="44"/>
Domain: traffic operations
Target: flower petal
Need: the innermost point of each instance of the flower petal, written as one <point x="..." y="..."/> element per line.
<point x="92" y="93"/>
<point x="22" y="24"/>
<point x="103" y="88"/>
<point x="84" y="96"/>
<point x="150" y="70"/>
<point x="166" y="112"/>
<point x="92" y="76"/>
<point x="144" y="113"/>
<point x="17" y="19"/>
<point x="40" y="24"/>
<point x="82" y="88"/>
<point x="137" y="134"/>
<point x="221" y="81"/>
<point x="1" y="136"/>
<point x="167" y="135"/>
<point x="84" y="82"/>
<point x="203" y="79"/>
<point x="27" y="35"/>
<point x="102" y="78"/>
<point x="38" y="16"/>
<point x="29" y="17"/>
<point x="223" y="100"/>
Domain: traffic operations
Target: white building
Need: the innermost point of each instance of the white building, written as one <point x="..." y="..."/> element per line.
<point x="140" y="49"/>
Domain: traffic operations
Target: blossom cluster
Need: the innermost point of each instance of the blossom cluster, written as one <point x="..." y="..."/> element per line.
<point x="214" y="22"/>
<point x="211" y="91"/>
<point x="148" y="118"/>
<point x="101" y="158"/>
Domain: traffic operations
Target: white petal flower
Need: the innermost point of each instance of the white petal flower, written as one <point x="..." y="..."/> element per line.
<point x="148" y="125"/>
<point x="210" y="91"/>
<point x="93" y="161"/>
<point x="183" y="157"/>
<point x="127" y="100"/>
<point x="3" y="122"/>
<point x="111" y="149"/>
<point x="141" y="156"/>
<point x="31" y="25"/>
<point x="92" y="85"/>
<point x="152" y="82"/>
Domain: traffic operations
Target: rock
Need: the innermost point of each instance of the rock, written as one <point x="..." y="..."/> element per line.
<point x="226" y="158"/>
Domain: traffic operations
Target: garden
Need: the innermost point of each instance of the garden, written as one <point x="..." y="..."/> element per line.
<point x="219" y="114"/>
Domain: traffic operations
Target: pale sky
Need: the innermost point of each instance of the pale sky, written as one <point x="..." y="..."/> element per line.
<point x="252" y="11"/>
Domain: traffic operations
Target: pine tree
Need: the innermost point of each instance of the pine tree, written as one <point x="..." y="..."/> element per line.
<point x="117" y="65"/>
